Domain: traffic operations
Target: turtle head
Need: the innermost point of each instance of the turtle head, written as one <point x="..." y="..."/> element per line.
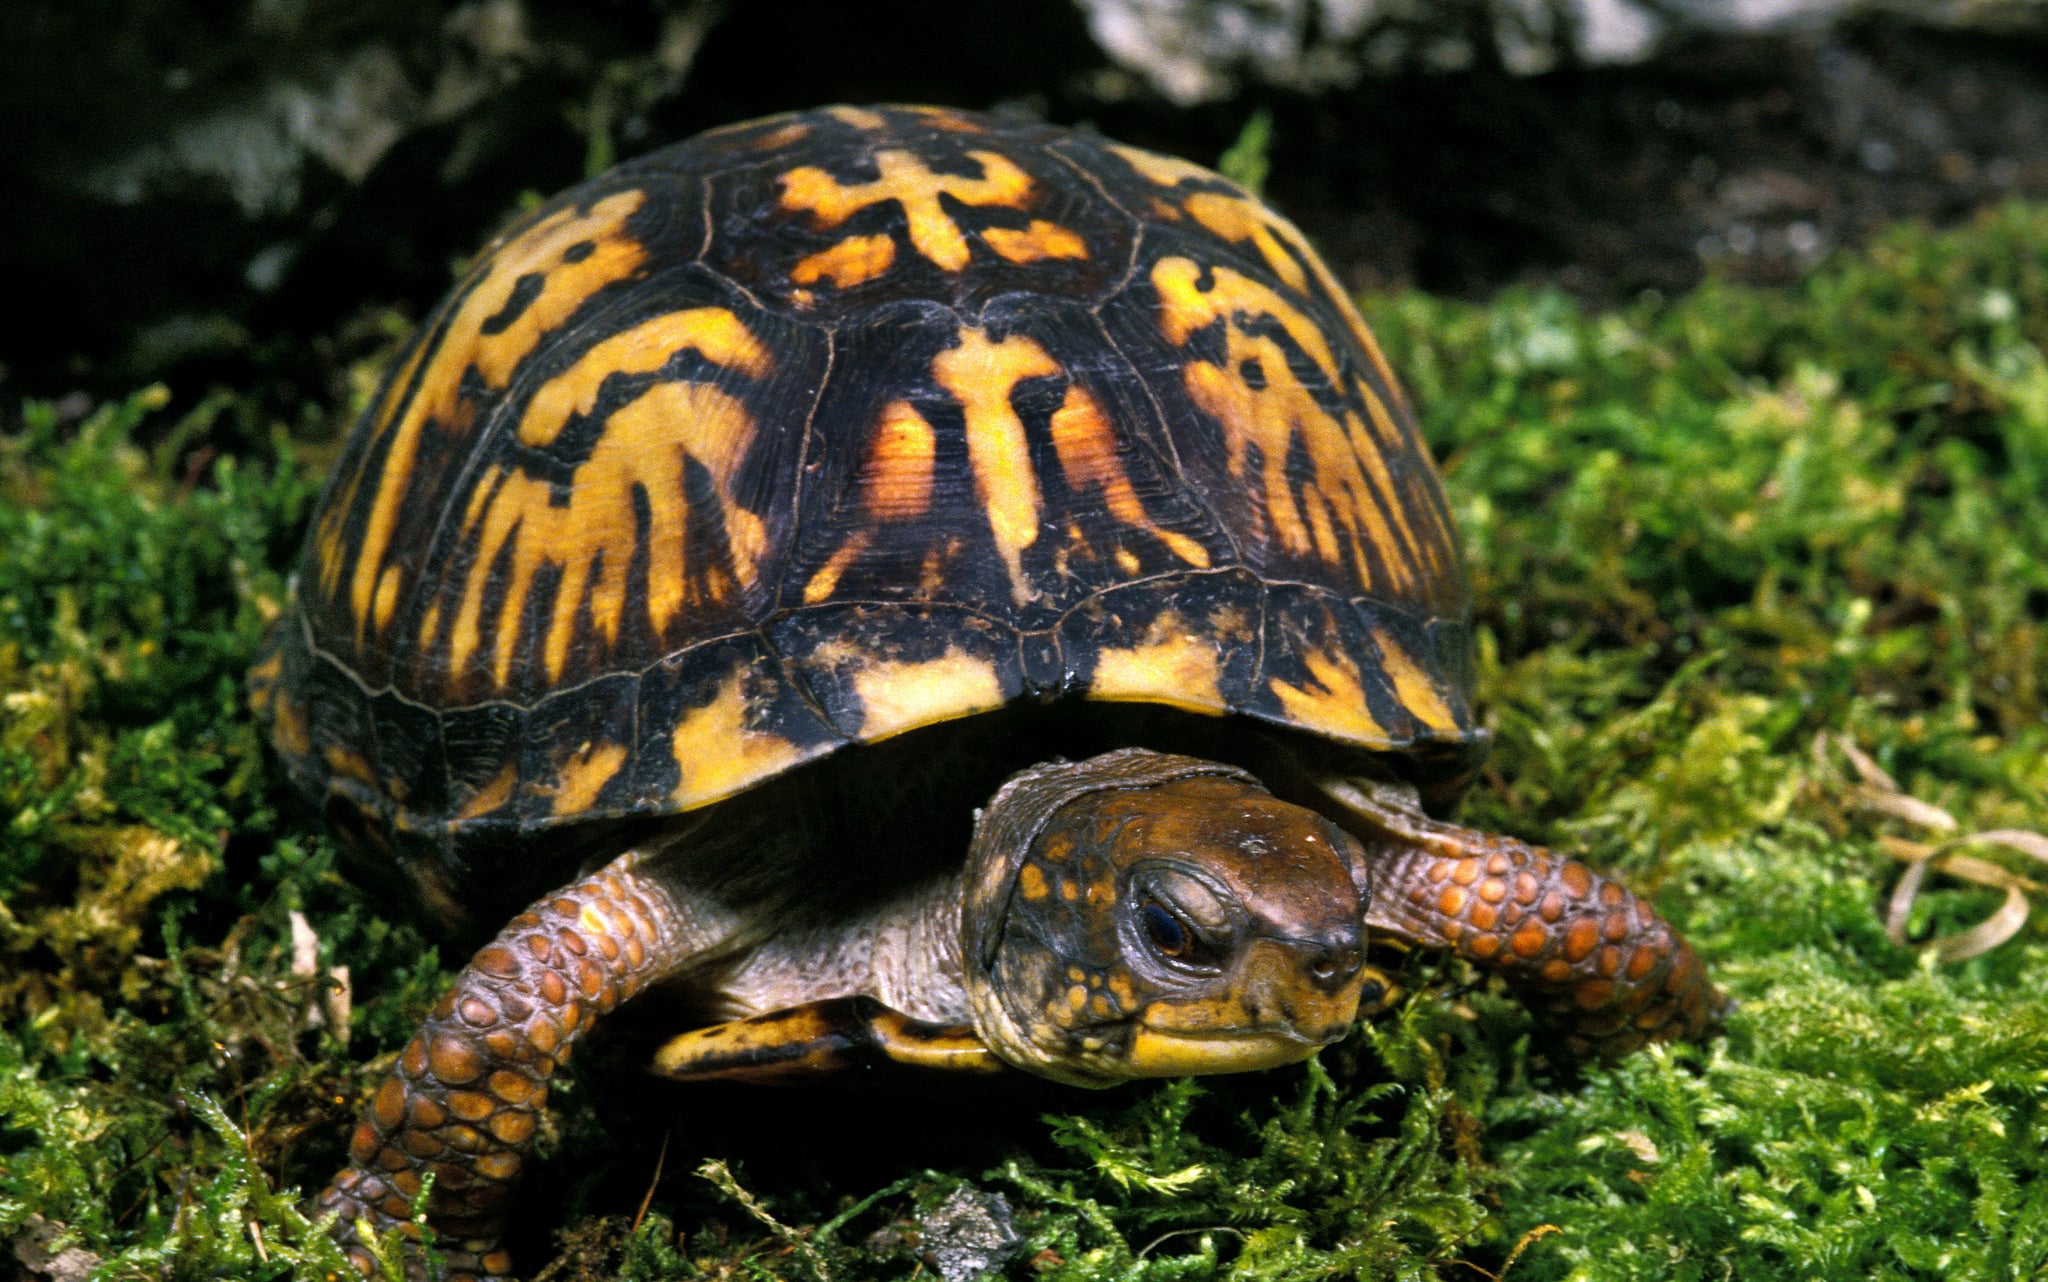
<point x="1144" y="915"/>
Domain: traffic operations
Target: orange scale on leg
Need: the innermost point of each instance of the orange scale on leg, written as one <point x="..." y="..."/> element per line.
<point x="1580" y="938"/>
<point x="388" y="1108"/>
<point x="425" y="1113"/>
<point x="363" y="1145"/>
<point x="454" y="1060"/>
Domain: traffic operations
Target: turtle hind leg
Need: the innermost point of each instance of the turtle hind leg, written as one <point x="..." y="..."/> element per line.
<point x="465" y="1099"/>
<point x="834" y="1036"/>
<point x="1592" y="959"/>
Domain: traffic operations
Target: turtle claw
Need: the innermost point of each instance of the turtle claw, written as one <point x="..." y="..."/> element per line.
<point x="363" y="1229"/>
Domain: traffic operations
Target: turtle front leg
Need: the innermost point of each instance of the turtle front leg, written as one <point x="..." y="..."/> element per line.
<point x="465" y="1099"/>
<point x="833" y="1036"/>
<point x="1590" y="957"/>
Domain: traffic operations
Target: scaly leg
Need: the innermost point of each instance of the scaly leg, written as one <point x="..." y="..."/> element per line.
<point x="466" y="1097"/>
<point x="1594" y="961"/>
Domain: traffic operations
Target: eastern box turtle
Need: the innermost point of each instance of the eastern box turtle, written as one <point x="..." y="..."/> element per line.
<point x="930" y="589"/>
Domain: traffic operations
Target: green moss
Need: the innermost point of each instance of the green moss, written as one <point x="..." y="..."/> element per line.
<point x="1704" y="532"/>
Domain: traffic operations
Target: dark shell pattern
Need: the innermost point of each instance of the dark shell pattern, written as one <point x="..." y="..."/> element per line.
<point x="824" y="427"/>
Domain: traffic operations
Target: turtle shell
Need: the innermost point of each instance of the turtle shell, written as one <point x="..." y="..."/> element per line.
<point x="817" y="429"/>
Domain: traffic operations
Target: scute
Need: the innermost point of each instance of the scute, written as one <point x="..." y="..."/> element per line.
<point x="817" y="429"/>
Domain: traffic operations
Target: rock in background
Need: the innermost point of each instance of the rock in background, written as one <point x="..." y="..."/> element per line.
<point x="254" y="193"/>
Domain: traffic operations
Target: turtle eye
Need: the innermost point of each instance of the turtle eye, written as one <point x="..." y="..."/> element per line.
<point x="1164" y="931"/>
<point x="1181" y="917"/>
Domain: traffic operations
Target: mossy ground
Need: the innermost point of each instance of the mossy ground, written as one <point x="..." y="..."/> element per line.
<point x="1705" y="533"/>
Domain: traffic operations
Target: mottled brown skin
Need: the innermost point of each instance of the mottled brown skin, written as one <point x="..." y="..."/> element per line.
<point x="1138" y="914"/>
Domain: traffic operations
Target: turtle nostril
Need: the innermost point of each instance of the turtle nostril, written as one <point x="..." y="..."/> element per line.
<point x="1335" y="965"/>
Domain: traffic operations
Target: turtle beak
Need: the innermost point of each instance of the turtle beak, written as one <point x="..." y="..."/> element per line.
<point x="1285" y="1000"/>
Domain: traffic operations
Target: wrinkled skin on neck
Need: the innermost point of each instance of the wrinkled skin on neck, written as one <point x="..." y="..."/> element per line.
<point x="1145" y="915"/>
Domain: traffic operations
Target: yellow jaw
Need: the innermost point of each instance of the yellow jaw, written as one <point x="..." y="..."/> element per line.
<point x="1157" y="1053"/>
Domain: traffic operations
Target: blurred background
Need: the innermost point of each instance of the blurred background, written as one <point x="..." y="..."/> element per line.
<point x="254" y="193"/>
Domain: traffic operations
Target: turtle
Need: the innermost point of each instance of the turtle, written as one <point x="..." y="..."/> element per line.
<point x="920" y="589"/>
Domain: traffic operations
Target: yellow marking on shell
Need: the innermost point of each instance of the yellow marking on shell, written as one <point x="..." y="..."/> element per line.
<point x="492" y="795"/>
<point x="1349" y="474"/>
<point x="329" y="536"/>
<point x="896" y="697"/>
<point x="946" y="118"/>
<point x="1436" y="549"/>
<point x="430" y="625"/>
<point x="981" y="375"/>
<point x="350" y="764"/>
<point x="585" y="774"/>
<point x="896" y="481"/>
<point x="644" y="448"/>
<point x="1237" y="219"/>
<point x="776" y="139"/>
<point x="826" y="581"/>
<point x="905" y="179"/>
<point x="1169" y="171"/>
<point x="386" y="598"/>
<point x="1031" y="882"/>
<point x="852" y="261"/>
<point x="567" y="281"/>
<point x="1086" y="442"/>
<point x="1040" y="240"/>
<point x="859" y="117"/>
<point x="712" y="332"/>
<point x="1165" y="171"/>
<point x="720" y="754"/>
<point x="1332" y="701"/>
<point x="1417" y="691"/>
<point x="1173" y="666"/>
<point x="1338" y="295"/>
<point x="288" y="729"/>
